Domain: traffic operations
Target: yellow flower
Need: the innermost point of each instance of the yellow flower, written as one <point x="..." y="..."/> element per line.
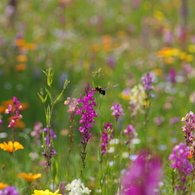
<point x="191" y="48"/>
<point x="2" y="185"/>
<point x="11" y="146"/>
<point x="29" y="177"/>
<point x="168" y="52"/>
<point x="189" y="58"/>
<point x="30" y="46"/>
<point x="159" y="15"/>
<point x="22" y="58"/>
<point x="169" y="60"/>
<point x="46" y="192"/>
<point x="157" y="71"/>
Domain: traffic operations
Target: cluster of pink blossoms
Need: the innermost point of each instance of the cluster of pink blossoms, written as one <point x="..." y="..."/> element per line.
<point x="131" y="132"/>
<point x="106" y="136"/>
<point x="117" y="110"/>
<point x="189" y="128"/>
<point x="14" y="109"/>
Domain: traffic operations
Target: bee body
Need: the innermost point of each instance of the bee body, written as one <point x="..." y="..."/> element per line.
<point x="101" y="90"/>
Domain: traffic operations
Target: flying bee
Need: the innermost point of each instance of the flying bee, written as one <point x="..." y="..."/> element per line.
<point x="101" y="90"/>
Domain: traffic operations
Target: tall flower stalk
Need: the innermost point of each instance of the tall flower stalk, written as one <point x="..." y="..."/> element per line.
<point x="48" y="132"/>
<point x="189" y="136"/>
<point x="86" y="109"/>
<point x="148" y="87"/>
<point x="72" y="110"/>
<point x="106" y="137"/>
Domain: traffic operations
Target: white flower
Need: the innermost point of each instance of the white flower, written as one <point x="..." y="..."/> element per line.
<point x="77" y="188"/>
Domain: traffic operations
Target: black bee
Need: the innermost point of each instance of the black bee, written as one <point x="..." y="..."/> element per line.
<point x="101" y="90"/>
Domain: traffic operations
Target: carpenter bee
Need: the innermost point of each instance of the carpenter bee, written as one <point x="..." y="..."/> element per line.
<point x="101" y="90"/>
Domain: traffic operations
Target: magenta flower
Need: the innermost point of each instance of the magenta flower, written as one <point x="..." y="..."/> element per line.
<point x="14" y="110"/>
<point x="106" y="136"/>
<point x="180" y="162"/>
<point x="117" y="110"/>
<point x="131" y="132"/>
<point x="86" y="109"/>
<point x="172" y="75"/>
<point x="142" y="176"/>
<point x="10" y="190"/>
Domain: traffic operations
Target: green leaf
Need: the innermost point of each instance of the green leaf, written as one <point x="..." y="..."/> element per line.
<point x="41" y="97"/>
<point x="54" y="169"/>
<point x="48" y="115"/>
<point x="65" y="84"/>
<point x="59" y="97"/>
<point x="48" y="93"/>
<point x="49" y="76"/>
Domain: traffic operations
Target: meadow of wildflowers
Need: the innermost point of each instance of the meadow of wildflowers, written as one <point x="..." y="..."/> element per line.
<point x="97" y="97"/>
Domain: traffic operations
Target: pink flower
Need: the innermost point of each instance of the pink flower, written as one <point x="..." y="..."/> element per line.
<point x="117" y="110"/>
<point x="142" y="176"/>
<point x="106" y="136"/>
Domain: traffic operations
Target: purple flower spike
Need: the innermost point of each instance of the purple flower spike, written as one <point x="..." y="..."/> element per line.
<point x="11" y="190"/>
<point x="180" y="162"/>
<point x="147" y="82"/>
<point x="179" y="159"/>
<point x="49" y="150"/>
<point x="189" y="128"/>
<point x="142" y="176"/>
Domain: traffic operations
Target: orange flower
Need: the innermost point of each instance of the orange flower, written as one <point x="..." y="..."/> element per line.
<point x="21" y="58"/>
<point x="24" y="105"/>
<point x="95" y="47"/>
<point x="2" y="185"/>
<point x="11" y="146"/>
<point x="29" y="177"/>
<point x="30" y="46"/>
<point x="19" y="42"/>
<point x="8" y="102"/>
<point x="2" y="109"/>
<point x="20" y="67"/>
<point x="157" y="71"/>
<point x="191" y="154"/>
<point x="106" y="39"/>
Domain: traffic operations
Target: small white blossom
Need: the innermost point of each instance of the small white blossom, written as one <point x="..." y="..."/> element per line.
<point x="77" y="188"/>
